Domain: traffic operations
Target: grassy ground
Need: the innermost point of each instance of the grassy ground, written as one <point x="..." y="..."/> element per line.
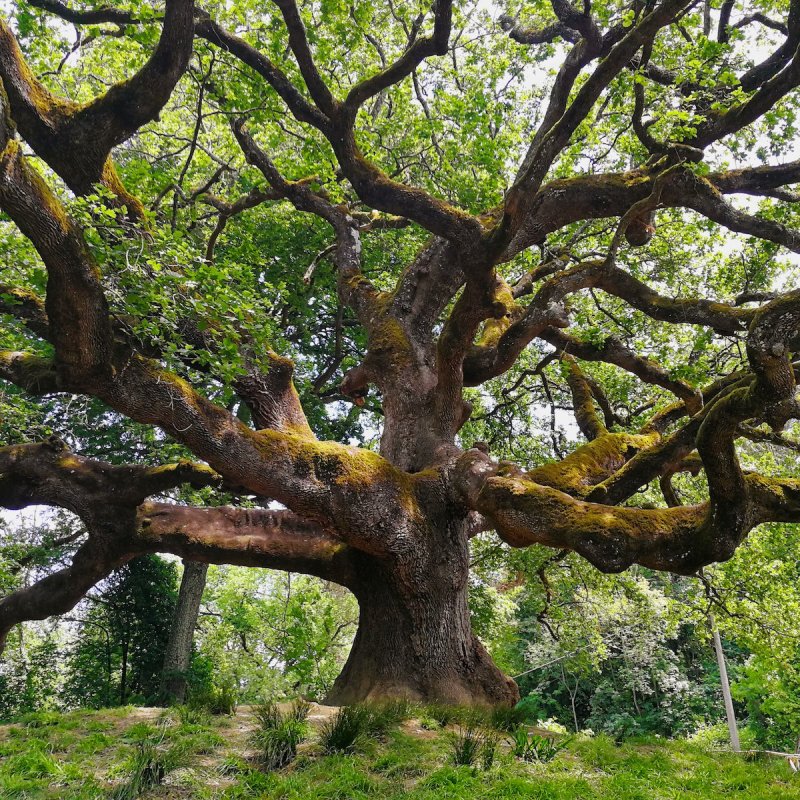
<point x="86" y="755"/>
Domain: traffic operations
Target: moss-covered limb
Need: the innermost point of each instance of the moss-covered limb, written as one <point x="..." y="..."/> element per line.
<point x="520" y="197"/>
<point x="377" y="190"/>
<point x="769" y="90"/>
<point x="679" y="539"/>
<point x="665" y="454"/>
<point x="271" y="396"/>
<point x="76" y="140"/>
<point x="35" y="374"/>
<point x="720" y="317"/>
<point x="564" y="201"/>
<point x="491" y="357"/>
<point x="769" y="437"/>
<point x="247" y="537"/>
<point x="336" y="121"/>
<point x="593" y="462"/>
<point x="76" y="307"/>
<point x="497" y="352"/>
<point x="426" y="286"/>
<point x="770" y="395"/>
<point x="48" y="473"/>
<point x="27" y="307"/>
<point x="94" y="16"/>
<point x="355" y="289"/>
<point x="298" y="43"/>
<point x="651" y="462"/>
<point x="108" y="498"/>
<point x="702" y="196"/>
<point x="547" y="33"/>
<point x="505" y="309"/>
<point x="87" y="362"/>
<point x="585" y="412"/>
<point x="756" y="180"/>
<point x="612" y="538"/>
<point x="485" y="362"/>
<point x="302" y="109"/>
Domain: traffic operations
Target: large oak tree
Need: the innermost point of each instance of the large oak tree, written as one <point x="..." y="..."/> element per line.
<point x="504" y="193"/>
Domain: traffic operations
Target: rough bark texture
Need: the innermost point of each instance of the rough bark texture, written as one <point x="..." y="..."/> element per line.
<point x="414" y="636"/>
<point x="394" y="527"/>
<point x="178" y="655"/>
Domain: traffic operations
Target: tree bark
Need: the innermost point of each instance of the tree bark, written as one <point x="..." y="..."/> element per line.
<point x="179" y="647"/>
<point x="414" y="636"/>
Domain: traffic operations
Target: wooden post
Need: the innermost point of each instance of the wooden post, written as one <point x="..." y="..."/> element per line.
<point x="726" y="687"/>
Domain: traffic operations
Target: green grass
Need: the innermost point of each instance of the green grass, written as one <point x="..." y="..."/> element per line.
<point x="89" y="755"/>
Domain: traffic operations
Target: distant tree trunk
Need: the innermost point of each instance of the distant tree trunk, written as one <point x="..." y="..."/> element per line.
<point x="179" y="647"/>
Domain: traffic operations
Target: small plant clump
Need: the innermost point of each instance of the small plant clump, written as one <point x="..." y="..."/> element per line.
<point x="216" y="700"/>
<point x="149" y="766"/>
<point x="472" y="746"/>
<point x="447" y="715"/>
<point x="345" y="729"/>
<point x="508" y="719"/>
<point x="382" y="717"/>
<point x="192" y="715"/>
<point x="529" y="746"/>
<point x="278" y="734"/>
<point x="351" y="725"/>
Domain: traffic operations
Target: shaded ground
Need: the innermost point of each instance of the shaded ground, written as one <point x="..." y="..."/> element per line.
<point x="85" y="755"/>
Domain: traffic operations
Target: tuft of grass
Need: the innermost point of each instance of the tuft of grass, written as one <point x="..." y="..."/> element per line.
<point x="383" y="717"/>
<point x="192" y="715"/>
<point x="448" y="715"/>
<point x="278" y="734"/>
<point x="148" y="768"/>
<point x="217" y="700"/>
<point x="345" y="729"/>
<point x="471" y="746"/>
<point x="508" y="720"/>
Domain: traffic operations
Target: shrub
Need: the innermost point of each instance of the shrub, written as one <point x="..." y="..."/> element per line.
<point x="192" y="715"/>
<point x="533" y="747"/>
<point x="489" y="750"/>
<point x="465" y="746"/>
<point x="278" y="745"/>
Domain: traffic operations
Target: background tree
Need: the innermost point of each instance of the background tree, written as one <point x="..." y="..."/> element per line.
<point x="118" y="655"/>
<point x="503" y="242"/>
<point x="179" y="646"/>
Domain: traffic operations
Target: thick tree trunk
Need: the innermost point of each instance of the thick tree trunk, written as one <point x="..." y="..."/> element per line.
<point x="178" y="655"/>
<point x="414" y="638"/>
